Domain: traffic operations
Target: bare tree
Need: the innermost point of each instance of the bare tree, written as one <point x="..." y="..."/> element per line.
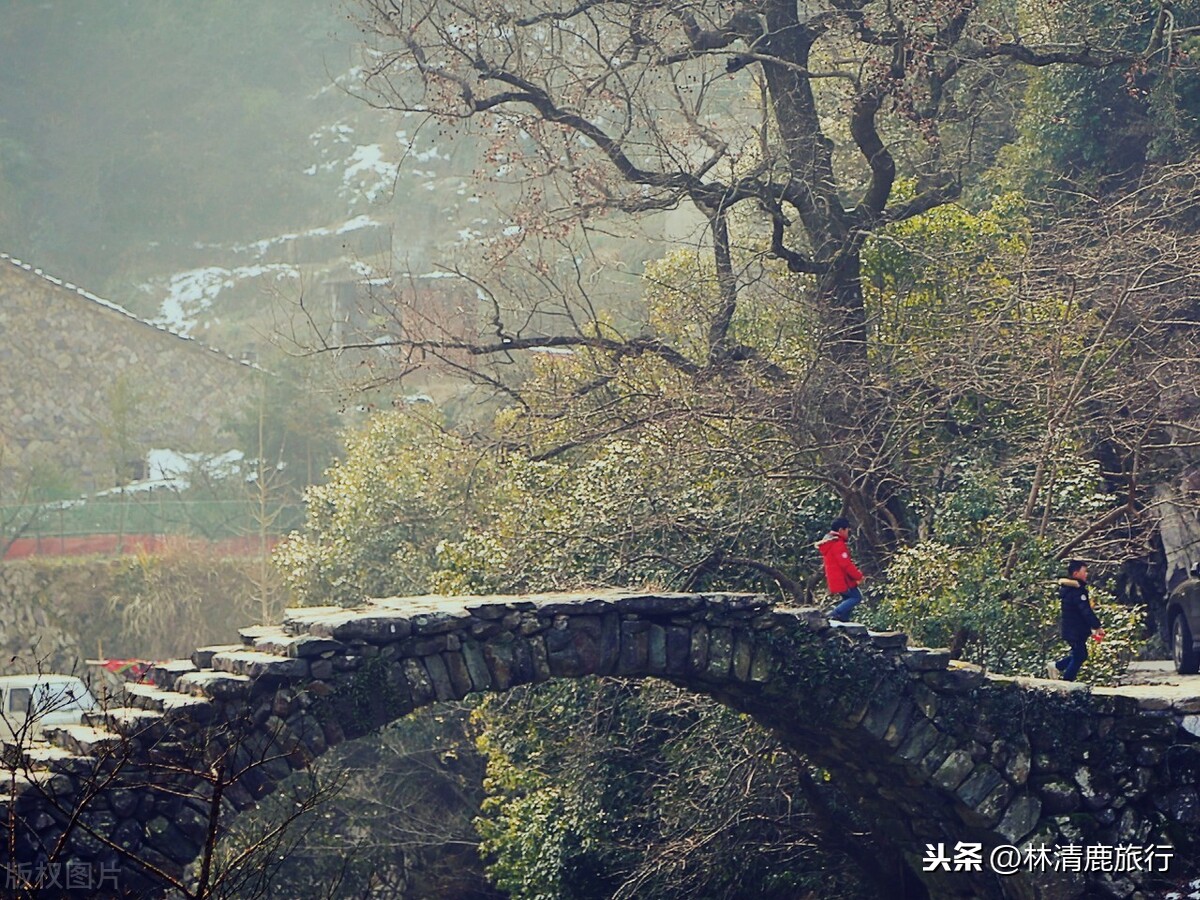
<point x="1124" y="274"/>
<point x="142" y="814"/>
<point x="796" y="132"/>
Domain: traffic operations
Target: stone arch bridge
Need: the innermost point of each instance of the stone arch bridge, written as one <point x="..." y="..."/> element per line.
<point x="935" y="752"/>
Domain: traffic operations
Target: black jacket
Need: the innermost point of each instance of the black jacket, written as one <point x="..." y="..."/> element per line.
<point x="1078" y="618"/>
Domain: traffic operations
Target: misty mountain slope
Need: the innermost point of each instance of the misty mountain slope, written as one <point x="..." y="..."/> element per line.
<point x="193" y="161"/>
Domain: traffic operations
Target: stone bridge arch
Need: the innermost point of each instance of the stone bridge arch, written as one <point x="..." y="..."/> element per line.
<point x="935" y="752"/>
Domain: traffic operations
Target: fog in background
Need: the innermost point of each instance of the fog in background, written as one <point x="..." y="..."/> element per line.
<point x="196" y="162"/>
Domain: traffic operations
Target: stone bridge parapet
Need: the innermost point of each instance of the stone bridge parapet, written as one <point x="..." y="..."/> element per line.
<point x="931" y="750"/>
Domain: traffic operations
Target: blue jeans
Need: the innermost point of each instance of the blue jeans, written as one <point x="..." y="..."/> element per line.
<point x="1070" y="664"/>
<point x="850" y="599"/>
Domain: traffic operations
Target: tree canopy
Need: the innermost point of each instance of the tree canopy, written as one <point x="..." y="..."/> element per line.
<point x="807" y="139"/>
<point x="931" y="266"/>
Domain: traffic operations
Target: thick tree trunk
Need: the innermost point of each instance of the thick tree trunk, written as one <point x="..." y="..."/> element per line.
<point x="839" y="294"/>
<point x="859" y="458"/>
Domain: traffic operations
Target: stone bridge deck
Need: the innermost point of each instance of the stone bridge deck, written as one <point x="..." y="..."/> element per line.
<point x="933" y="751"/>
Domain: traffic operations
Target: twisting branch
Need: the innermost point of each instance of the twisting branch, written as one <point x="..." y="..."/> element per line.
<point x="879" y="159"/>
<point x="632" y="347"/>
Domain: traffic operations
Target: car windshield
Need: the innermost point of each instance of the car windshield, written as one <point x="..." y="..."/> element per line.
<point x="60" y="696"/>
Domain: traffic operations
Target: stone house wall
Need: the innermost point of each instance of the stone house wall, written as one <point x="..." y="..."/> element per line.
<point x="86" y="387"/>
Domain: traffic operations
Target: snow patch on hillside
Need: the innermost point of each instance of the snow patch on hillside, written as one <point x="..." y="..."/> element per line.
<point x="190" y="293"/>
<point x="368" y="174"/>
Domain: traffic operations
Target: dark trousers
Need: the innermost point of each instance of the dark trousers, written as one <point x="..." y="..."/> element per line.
<point x="1069" y="665"/>
<point x="850" y="599"/>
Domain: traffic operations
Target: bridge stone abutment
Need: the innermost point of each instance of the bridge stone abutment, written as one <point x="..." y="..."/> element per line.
<point x="932" y="751"/>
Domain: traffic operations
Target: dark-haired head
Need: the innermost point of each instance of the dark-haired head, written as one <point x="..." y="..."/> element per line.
<point x="839" y="523"/>
<point x="1074" y="566"/>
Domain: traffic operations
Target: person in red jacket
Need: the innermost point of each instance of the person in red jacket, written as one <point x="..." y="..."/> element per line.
<point x="841" y="574"/>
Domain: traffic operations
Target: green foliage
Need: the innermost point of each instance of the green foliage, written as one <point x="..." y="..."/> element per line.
<point x="1088" y="127"/>
<point x="607" y="788"/>
<point x="413" y="508"/>
<point x="986" y="588"/>
<point x="953" y="596"/>
<point x="918" y="271"/>
<point x="374" y="527"/>
<point x="650" y="510"/>
<point x="953" y="344"/>
<point x="681" y="293"/>
<point x="1006" y="622"/>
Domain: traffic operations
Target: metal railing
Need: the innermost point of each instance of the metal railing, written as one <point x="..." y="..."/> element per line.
<point x="148" y="514"/>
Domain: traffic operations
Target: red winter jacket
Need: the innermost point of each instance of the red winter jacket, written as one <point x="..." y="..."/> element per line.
<point x="840" y="571"/>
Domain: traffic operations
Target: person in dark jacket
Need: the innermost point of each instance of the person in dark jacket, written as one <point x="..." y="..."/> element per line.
<point x="841" y="574"/>
<point x="1079" y="621"/>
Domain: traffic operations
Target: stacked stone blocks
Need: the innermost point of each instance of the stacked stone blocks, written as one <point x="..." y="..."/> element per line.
<point x="932" y="749"/>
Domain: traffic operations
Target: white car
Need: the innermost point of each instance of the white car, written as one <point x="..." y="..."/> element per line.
<point x="30" y="702"/>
